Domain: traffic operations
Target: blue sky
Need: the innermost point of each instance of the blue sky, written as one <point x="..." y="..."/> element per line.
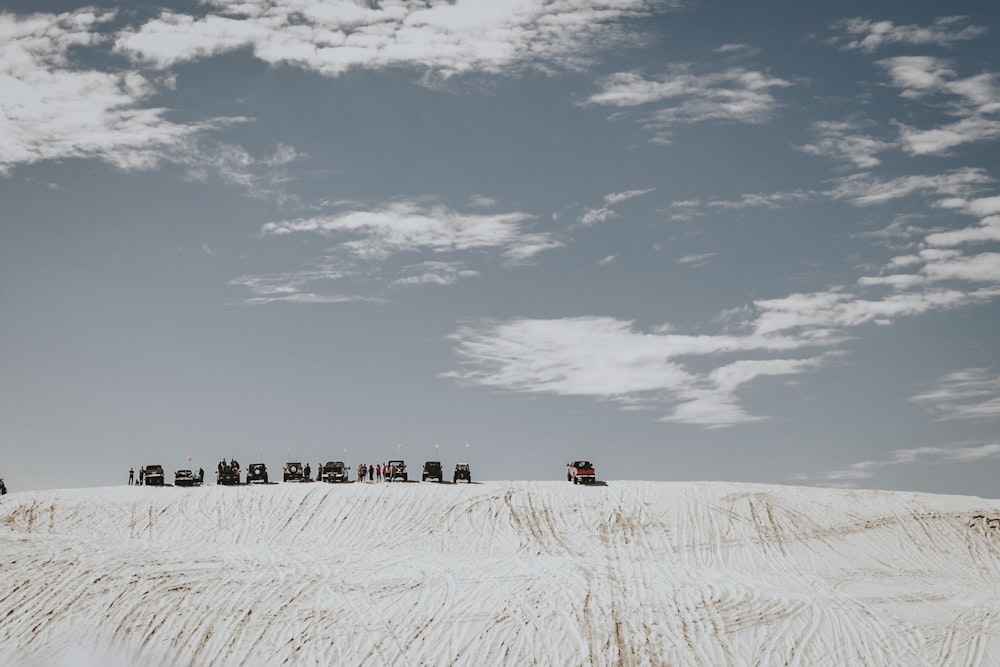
<point x="688" y="241"/>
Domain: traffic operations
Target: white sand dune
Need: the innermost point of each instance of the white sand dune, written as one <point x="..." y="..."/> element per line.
<point x="513" y="573"/>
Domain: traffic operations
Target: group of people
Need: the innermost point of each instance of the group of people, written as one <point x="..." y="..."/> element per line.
<point x="376" y="473"/>
<point x="131" y="476"/>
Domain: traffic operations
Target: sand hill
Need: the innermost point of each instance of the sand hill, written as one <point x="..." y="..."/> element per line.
<point x="513" y="573"/>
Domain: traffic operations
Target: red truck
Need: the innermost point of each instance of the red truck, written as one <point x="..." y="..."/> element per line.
<point x="580" y="472"/>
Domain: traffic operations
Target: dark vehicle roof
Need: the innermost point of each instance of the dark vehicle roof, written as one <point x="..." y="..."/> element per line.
<point x="154" y="467"/>
<point x="432" y="463"/>
<point x="333" y="464"/>
<point x="392" y="462"/>
<point x="461" y="465"/>
<point x="183" y="472"/>
<point x="582" y="464"/>
<point x="293" y="463"/>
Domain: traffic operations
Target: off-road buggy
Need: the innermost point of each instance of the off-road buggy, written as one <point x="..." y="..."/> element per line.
<point x="432" y="470"/>
<point x="257" y="473"/>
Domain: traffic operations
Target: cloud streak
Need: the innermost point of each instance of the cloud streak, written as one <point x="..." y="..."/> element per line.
<point x="968" y="394"/>
<point x="448" y="38"/>
<point x="851" y="475"/>
<point x="407" y="226"/>
<point x="684" y="95"/>
<point x="593" y="216"/>
<point x="863" y="34"/>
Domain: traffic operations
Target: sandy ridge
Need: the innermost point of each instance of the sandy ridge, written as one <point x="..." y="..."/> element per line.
<point x="634" y="573"/>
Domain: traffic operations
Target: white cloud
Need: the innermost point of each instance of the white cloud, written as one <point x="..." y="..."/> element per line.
<point x="410" y="226"/>
<point x="742" y="49"/>
<point x="306" y="287"/>
<point x="974" y="101"/>
<point x="592" y="216"/>
<point x="604" y="261"/>
<point x="607" y="358"/>
<point x="763" y="200"/>
<point x="846" y="141"/>
<point x="279" y="285"/>
<point x="447" y="37"/>
<point x="308" y="298"/>
<point x="697" y="261"/>
<point x="866" y="190"/>
<point x="258" y="177"/>
<point x="482" y="201"/>
<point x="853" y="473"/>
<point x="735" y="94"/>
<point x="434" y="273"/>
<point x="971" y="393"/>
<point x="940" y="140"/>
<point x="55" y="108"/>
<point x="618" y="197"/>
<point x="867" y="35"/>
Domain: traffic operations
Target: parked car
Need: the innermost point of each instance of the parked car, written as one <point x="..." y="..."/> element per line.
<point x="154" y="475"/>
<point x="397" y="471"/>
<point x="432" y="470"/>
<point x="184" y="478"/>
<point x="462" y="472"/>
<point x="257" y="473"/>
<point x="333" y="471"/>
<point x="580" y="472"/>
<point x="292" y="472"/>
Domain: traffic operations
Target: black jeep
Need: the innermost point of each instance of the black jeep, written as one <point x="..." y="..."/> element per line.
<point x="333" y="471"/>
<point x="432" y="470"/>
<point x="397" y="470"/>
<point x="257" y="474"/>
<point x="462" y="472"/>
<point x="154" y="476"/>
<point x="293" y="472"/>
<point x="184" y="478"/>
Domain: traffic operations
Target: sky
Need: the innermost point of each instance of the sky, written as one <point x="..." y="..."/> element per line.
<point x="705" y="240"/>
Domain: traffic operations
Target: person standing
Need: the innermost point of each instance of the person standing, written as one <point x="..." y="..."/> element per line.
<point x="371" y="473"/>
<point x="308" y="473"/>
<point x="142" y="475"/>
<point x="131" y="476"/>
<point x="378" y="472"/>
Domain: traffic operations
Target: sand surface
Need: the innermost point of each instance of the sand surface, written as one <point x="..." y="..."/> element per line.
<point x="512" y="573"/>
